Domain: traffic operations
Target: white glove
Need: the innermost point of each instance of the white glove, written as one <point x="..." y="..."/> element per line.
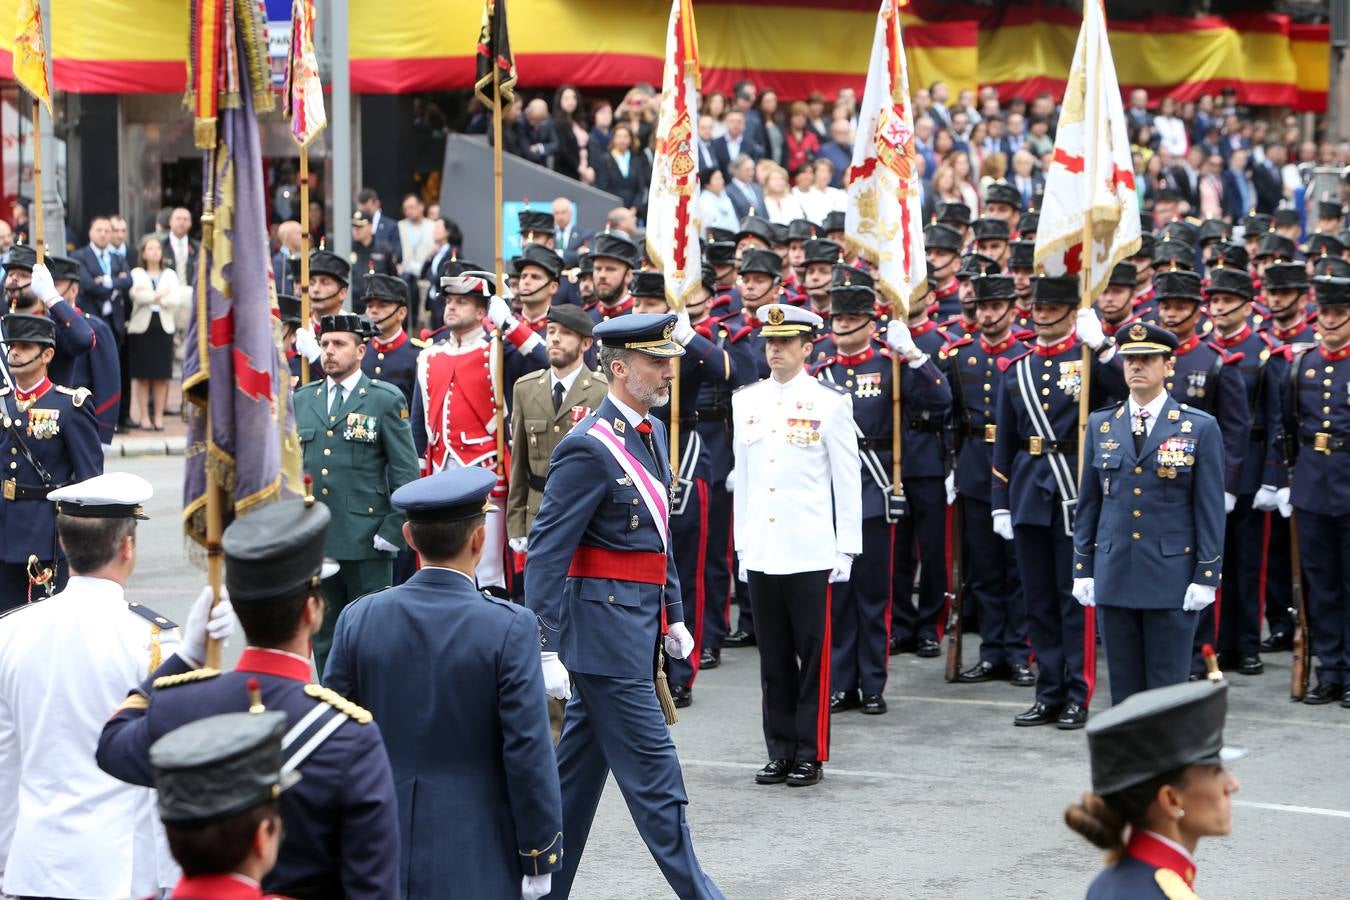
<point x="950" y="484"/>
<point x="382" y="545"/>
<point x="1003" y="524"/>
<point x="206" y="621"/>
<point x="1266" y="499"/>
<point x="1085" y="591"/>
<point x="43" y="287"/>
<point x="843" y="568"/>
<point x="742" y="574"/>
<point x="306" y="344"/>
<point x="532" y="887"/>
<point x="900" y="340"/>
<point x="684" y="332"/>
<point x="499" y="311"/>
<point x="1229" y="502"/>
<point x="731" y="482"/>
<point x="1197" y="597"/>
<point x="1282" y="502"/>
<point x="557" y="684"/>
<point x="679" y="642"/>
<point x="518" y="545"/>
<point x="1090" y="329"/>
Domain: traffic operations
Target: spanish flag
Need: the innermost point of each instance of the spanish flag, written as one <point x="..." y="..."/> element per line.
<point x="30" y="53"/>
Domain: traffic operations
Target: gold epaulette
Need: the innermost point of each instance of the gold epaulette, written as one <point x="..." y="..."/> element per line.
<point x="358" y="714"/>
<point x="1173" y="886"/>
<point x="419" y="343"/>
<point x="167" y="681"/>
<point x="79" y="394"/>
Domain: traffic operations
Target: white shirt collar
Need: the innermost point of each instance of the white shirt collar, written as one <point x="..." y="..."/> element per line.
<point x="348" y="383"/>
<point x="793" y="382"/>
<point x="566" y="381"/>
<point x="633" y="416"/>
<point x="466" y="575"/>
<point x="90" y="586"/>
<point x="1154" y="407"/>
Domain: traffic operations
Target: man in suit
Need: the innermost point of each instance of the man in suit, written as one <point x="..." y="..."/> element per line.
<point x="746" y="196"/>
<point x="839" y="150"/>
<point x="703" y="147"/>
<point x="98" y="370"/>
<point x="288" y="235"/>
<point x="341" y="819"/>
<point x="384" y="228"/>
<point x="180" y="249"/>
<point x="1030" y="183"/>
<point x="734" y="143"/>
<point x="105" y="280"/>
<point x="568" y="236"/>
<point x="434" y="268"/>
<point x="357" y="448"/>
<point x="1239" y="193"/>
<point x="1148" y="536"/>
<point x="479" y="808"/>
<point x="603" y="583"/>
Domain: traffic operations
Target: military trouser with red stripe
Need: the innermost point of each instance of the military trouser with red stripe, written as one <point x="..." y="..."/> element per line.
<point x="1063" y="634"/>
<point x="792" y="622"/>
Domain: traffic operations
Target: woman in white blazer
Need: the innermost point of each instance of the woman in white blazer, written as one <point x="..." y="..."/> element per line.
<point x="154" y="299"/>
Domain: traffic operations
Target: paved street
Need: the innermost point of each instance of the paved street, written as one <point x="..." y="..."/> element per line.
<point x="942" y="797"/>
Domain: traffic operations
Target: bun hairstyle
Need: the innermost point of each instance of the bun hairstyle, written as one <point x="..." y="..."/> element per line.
<point x="1102" y="819"/>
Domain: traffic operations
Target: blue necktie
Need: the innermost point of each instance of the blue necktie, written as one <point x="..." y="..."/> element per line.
<point x="104" y="262"/>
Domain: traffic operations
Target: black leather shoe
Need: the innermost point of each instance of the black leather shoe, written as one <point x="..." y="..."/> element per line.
<point x="1278" y="642"/>
<point x="873" y="705"/>
<point x="1345" y="700"/>
<point x="843" y="701"/>
<point x="1022" y="676"/>
<point x="983" y="671"/>
<point x="709" y="659"/>
<point x="805" y="772"/>
<point x="901" y="645"/>
<point x="1072" y="718"/>
<point x="928" y="648"/>
<point x="775" y="772"/>
<point x="1039" y="714"/>
<point x="739" y="638"/>
<point x="1325" y="692"/>
<point x="682" y="695"/>
<point x="1251" y="665"/>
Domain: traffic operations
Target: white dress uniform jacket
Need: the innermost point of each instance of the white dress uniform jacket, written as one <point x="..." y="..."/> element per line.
<point x="66" y="828"/>
<point x="796" y="484"/>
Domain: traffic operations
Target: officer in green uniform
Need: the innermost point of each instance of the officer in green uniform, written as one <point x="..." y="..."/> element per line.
<point x="358" y="450"/>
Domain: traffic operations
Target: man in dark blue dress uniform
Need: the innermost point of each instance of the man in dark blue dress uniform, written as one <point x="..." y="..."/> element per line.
<point x="341" y="820"/>
<point x="328" y="279"/>
<point x="1034" y="491"/>
<point x="943" y="244"/>
<point x="602" y="580"/>
<point x="614" y="256"/>
<point x="391" y="356"/>
<point x="1116" y="304"/>
<point x="48" y="439"/>
<point x="99" y="370"/>
<point x="975" y="367"/>
<point x="860" y="607"/>
<point x="74" y="334"/>
<point x="479" y="810"/>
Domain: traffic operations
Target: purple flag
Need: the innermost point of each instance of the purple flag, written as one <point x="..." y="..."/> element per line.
<point x="241" y="430"/>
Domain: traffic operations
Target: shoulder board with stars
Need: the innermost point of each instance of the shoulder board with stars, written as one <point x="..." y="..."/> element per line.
<point x="151" y="616"/>
<point x="168" y="681"/>
<point x="836" y="388"/>
<point x="357" y="714"/>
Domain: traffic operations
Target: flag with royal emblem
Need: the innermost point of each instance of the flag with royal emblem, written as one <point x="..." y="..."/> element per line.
<point x="30" y="52"/>
<point x="1089" y="189"/>
<point x="672" y="215"/>
<point x="304" y="90"/>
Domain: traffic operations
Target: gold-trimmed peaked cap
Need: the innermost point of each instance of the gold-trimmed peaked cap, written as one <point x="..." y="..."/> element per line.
<point x="784" y="320"/>
<point x="649" y="333"/>
<point x="1141" y="339"/>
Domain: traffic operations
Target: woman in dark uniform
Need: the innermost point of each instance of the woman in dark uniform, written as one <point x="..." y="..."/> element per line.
<point x="1159" y="785"/>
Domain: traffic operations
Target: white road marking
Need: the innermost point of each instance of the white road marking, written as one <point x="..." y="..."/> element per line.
<point x="1284" y="807"/>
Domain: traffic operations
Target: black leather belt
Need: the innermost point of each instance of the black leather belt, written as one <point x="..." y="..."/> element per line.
<point x="12" y="490"/>
<point x="986" y="433"/>
<point x="875" y="443"/>
<point x="925" y="426"/>
<point x="1040" y="446"/>
<point x="1322" y="442"/>
<point x="537" y="483"/>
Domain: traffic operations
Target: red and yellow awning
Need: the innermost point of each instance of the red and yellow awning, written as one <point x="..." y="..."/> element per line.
<point x="794" y="46"/>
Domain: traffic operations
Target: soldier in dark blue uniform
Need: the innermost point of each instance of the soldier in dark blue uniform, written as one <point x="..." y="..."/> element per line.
<point x="371" y="255"/>
<point x="99" y="370"/>
<point x="1318" y="426"/>
<point x="726" y="299"/>
<point x="1003" y="201"/>
<point x="1116" y="304"/>
<point x="818" y="260"/>
<point x="391" y="356"/>
<point x="473" y="765"/>
<point x="49" y="439"/>
<point x="1148" y="536"/>
<point x="1021" y="266"/>
<point x="942" y="243"/>
<point x="341" y="820"/>
<point x="1158" y="785"/>
<point x="755" y="232"/>
<point x="288" y="312"/>
<point x="74" y="334"/>
<point x="1034" y="490"/>
<point x="958" y="216"/>
<point x="613" y="258"/>
<point x="328" y="279"/>
<point x="991" y="238"/>
<point x="975" y="367"/>
<point x="1204" y="377"/>
<point x="1229" y="300"/>
<point x="601" y="578"/>
<point x="859" y="606"/>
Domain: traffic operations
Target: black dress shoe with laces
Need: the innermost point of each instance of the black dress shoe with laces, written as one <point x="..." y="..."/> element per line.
<point x="983" y="671"/>
<point x="774" y="772"/>
<point x="1039" y="714"/>
<point x="1325" y="692"/>
<point x="682" y="695"/>
<point x="1022" y="676"/>
<point x="843" y="701"/>
<point x="805" y="772"/>
<point x="928" y="648"/>
<point x="1278" y="642"/>
<point x="1073" y="717"/>
<point x="873" y="705"/>
<point x="1250" y="665"/>
<point x="709" y="659"/>
<point x="739" y="638"/>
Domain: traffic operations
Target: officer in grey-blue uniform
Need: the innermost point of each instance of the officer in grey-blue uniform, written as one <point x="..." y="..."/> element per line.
<point x="341" y="820"/>
<point x="48" y="439"/>
<point x="602" y="580"/>
<point x="1148" y="537"/>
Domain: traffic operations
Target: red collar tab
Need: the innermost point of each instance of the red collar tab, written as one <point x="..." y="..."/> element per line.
<point x="383" y="347"/>
<point x="538" y="326"/>
<point x="1150" y="850"/>
<point x="219" y="887"/>
<point x="1285" y="334"/>
<point x="927" y="326"/>
<point x="1188" y="345"/>
<point x="1142" y="298"/>
<point x="944" y="292"/>
<point x="996" y="349"/>
<point x="1057" y="348"/>
<point x="857" y="358"/>
<point x="261" y="661"/>
<point x="36" y="393"/>
<point x="1112" y="329"/>
<point x="1229" y="343"/>
<point x="608" y="312"/>
<point x="1335" y="355"/>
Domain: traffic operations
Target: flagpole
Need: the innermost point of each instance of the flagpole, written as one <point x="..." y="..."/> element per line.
<point x="896" y="489"/>
<point x="215" y="511"/>
<point x="499" y="379"/>
<point x="1085" y="378"/>
<point x="37" y="236"/>
<point x="304" y="253"/>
